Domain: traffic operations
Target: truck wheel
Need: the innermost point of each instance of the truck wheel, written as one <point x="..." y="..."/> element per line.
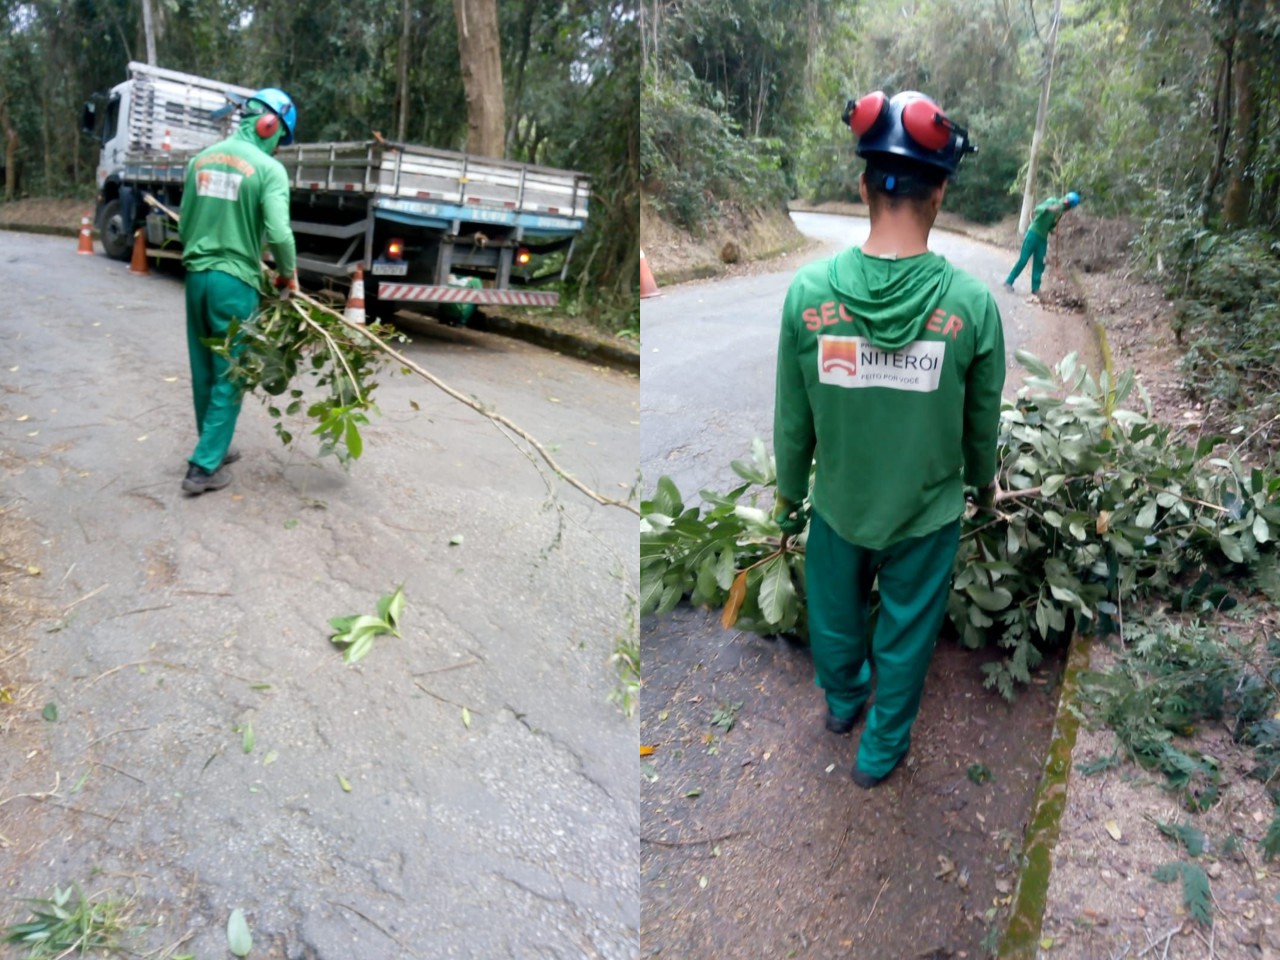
<point x="117" y="239"/>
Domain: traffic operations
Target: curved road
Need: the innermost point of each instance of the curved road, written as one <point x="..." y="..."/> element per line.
<point x="708" y="352"/>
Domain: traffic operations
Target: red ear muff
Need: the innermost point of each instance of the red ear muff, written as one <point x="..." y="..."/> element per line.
<point x="267" y="125"/>
<point x="926" y="124"/>
<point x="867" y="112"/>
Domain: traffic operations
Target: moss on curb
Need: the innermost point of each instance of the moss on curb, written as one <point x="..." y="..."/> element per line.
<point x="1022" y="933"/>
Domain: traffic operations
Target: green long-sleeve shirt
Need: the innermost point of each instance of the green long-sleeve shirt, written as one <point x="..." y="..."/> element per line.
<point x="236" y="196"/>
<point x="1045" y="217"/>
<point x="889" y="374"/>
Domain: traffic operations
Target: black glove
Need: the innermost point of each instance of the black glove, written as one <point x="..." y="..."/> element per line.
<point x="986" y="499"/>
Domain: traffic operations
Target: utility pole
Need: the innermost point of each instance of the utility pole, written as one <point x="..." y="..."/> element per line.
<point x="1029" y="194"/>
<point x="149" y="29"/>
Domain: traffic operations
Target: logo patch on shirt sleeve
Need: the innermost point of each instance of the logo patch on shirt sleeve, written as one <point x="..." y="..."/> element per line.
<point x="854" y="362"/>
<point x="218" y="183"/>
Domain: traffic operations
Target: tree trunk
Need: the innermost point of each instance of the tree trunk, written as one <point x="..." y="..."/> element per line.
<point x="10" y="149"/>
<point x="1239" y="196"/>
<point x="1221" y="129"/>
<point x="150" y="31"/>
<point x="402" y="74"/>
<point x="1029" y="194"/>
<point x="481" y="59"/>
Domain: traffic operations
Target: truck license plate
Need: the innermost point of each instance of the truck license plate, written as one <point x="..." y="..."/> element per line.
<point x="388" y="269"/>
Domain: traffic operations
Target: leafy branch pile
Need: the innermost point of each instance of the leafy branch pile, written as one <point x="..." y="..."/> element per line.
<point x="289" y="341"/>
<point x="69" y="922"/>
<point x="1099" y="507"/>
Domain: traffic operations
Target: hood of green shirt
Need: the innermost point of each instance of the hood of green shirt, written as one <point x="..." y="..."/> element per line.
<point x="891" y="300"/>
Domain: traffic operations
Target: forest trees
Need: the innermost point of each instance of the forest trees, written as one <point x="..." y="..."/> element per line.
<point x="1156" y="107"/>
<point x="570" y="71"/>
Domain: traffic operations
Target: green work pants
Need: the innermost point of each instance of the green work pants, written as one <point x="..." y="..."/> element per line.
<point x="915" y="579"/>
<point x="214" y="300"/>
<point x="1034" y="248"/>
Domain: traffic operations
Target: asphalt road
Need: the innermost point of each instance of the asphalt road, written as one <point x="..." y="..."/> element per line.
<point x="708" y="353"/>
<point x="372" y="817"/>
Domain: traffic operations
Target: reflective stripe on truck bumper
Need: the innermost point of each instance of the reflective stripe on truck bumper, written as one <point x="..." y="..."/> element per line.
<point x="431" y="294"/>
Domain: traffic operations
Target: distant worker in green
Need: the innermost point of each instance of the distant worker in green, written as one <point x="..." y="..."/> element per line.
<point x="236" y="196"/>
<point x="1035" y="245"/>
<point x="890" y="370"/>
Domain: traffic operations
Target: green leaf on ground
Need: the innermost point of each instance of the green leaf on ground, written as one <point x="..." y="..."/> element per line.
<point x="239" y="940"/>
<point x="1196" y="896"/>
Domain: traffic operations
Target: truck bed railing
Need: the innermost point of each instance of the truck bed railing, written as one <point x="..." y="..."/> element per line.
<point x="189" y="111"/>
<point x="413" y="172"/>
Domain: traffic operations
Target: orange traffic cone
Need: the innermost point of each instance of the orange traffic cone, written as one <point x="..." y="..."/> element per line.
<point x="354" y="311"/>
<point x="648" y="287"/>
<point x="166" y="145"/>
<point x="139" y="262"/>
<point x="86" y="236"/>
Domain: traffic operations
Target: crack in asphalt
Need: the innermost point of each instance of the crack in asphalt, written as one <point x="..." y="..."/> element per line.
<point x="579" y="764"/>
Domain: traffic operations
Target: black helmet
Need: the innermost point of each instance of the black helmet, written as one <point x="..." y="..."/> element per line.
<point x="910" y="125"/>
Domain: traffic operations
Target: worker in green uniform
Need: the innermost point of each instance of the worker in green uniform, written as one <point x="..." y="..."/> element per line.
<point x="1035" y="245"/>
<point x="236" y="196"/>
<point x="890" y="369"/>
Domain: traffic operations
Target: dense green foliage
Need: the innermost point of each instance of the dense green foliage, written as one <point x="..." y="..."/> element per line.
<point x="694" y="157"/>
<point x="571" y="70"/>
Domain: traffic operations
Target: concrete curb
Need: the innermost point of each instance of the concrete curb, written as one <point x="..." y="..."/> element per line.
<point x="570" y="344"/>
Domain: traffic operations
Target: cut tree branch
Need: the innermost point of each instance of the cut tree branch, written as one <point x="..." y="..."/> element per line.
<point x="439" y="384"/>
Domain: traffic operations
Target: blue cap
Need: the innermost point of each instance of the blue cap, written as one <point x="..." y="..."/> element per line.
<point x="1073" y="199"/>
<point x="279" y="103"/>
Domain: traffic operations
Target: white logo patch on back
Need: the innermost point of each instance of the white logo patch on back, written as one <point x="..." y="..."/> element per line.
<point x="854" y="362"/>
<point x="218" y="183"/>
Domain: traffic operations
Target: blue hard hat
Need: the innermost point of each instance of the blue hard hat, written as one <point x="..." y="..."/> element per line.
<point x="1073" y="199"/>
<point x="279" y="103"/>
<point x="910" y="125"/>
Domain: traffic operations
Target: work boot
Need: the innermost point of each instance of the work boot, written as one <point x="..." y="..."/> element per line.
<point x="1009" y="287"/>
<point x="232" y="456"/>
<point x="865" y="780"/>
<point x="200" y="480"/>
<point x="842" y="725"/>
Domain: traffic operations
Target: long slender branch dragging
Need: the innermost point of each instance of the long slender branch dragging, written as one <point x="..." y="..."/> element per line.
<point x="475" y="405"/>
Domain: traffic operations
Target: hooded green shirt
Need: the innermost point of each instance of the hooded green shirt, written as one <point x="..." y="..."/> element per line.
<point x="889" y="374"/>
<point x="1046" y="216"/>
<point x="236" y="195"/>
